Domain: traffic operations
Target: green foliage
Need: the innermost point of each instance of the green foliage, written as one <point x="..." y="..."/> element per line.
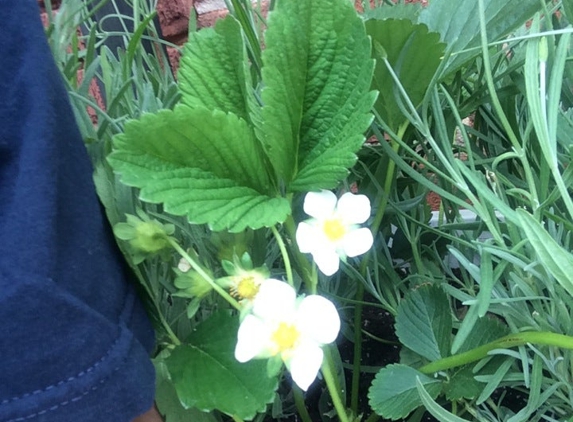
<point x="206" y="165"/>
<point x="316" y="103"/>
<point x="393" y="393"/>
<point x="557" y="261"/>
<point x="213" y="72"/>
<point x="414" y="54"/>
<point x="204" y="159"/>
<point x="459" y="25"/>
<point x="424" y="322"/>
<point x="483" y="121"/>
<point x="207" y="376"/>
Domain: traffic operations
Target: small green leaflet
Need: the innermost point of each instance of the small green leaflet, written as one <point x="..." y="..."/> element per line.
<point x="202" y="164"/>
<point x="317" y="72"/>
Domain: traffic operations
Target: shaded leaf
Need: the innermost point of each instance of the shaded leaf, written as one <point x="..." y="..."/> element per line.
<point x="393" y="392"/>
<point x="424" y="322"/>
<point x="414" y="54"/>
<point x="462" y="384"/>
<point x="409" y="11"/>
<point x="459" y="24"/>
<point x="207" y="376"/>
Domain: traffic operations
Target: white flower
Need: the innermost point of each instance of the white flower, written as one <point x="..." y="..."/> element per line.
<point x="294" y="329"/>
<point x="334" y="232"/>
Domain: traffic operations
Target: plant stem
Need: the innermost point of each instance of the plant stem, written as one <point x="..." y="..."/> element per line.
<point x="203" y="274"/>
<point x="509" y="341"/>
<point x="372" y="418"/>
<point x="300" y="405"/>
<point x="307" y="272"/>
<point x="284" y="254"/>
<point x="333" y="389"/>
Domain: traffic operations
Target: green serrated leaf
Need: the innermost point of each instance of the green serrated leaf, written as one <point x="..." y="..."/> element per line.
<point x="204" y="164"/>
<point x="213" y="71"/>
<point x="459" y="25"/>
<point x="317" y="72"/>
<point x="556" y="260"/>
<point x="168" y="403"/>
<point x="207" y="376"/>
<point x="414" y="54"/>
<point x="484" y="330"/>
<point x="393" y="392"/>
<point x="424" y="322"/>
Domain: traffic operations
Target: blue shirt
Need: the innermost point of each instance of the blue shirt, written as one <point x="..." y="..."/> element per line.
<point x="74" y="340"/>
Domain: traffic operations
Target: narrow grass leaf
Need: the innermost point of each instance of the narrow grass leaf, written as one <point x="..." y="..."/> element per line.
<point x="434" y="408"/>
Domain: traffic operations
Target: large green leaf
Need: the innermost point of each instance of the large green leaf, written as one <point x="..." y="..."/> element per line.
<point x="556" y="260"/>
<point x="213" y="70"/>
<point x="317" y="72"/>
<point x="393" y="392"/>
<point x="207" y="376"/>
<point x="414" y="54"/>
<point x="458" y="23"/>
<point x="204" y="164"/>
<point x="424" y="322"/>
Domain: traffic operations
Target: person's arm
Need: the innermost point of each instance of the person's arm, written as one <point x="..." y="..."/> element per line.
<point x="74" y="338"/>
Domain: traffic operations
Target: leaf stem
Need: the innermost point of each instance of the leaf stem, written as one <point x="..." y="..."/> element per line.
<point x="374" y="227"/>
<point x="506" y="342"/>
<point x="307" y="273"/>
<point x="333" y="389"/>
<point x="203" y="274"/>
<point x="284" y="254"/>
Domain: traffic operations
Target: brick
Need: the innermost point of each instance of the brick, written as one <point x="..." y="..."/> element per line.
<point x="174" y="17"/>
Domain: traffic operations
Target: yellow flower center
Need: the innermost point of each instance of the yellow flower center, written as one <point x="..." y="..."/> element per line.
<point x="285" y="337"/>
<point x="334" y="229"/>
<point x="247" y="288"/>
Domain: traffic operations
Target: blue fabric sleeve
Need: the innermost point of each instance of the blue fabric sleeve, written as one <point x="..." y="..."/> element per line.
<point x="74" y="340"/>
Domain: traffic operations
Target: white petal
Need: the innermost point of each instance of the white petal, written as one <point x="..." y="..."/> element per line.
<point x="252" y="339"/>
<point x="354" y="209"/>
<point x="357" y="242"/>
<point x="317" y="319"/>
<point x="307" y="237"/>
<point x="305" y="363"/>
<point x="327" y="260"/>
<point x="319" y="204"/>
<point x="275" y="301"/>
